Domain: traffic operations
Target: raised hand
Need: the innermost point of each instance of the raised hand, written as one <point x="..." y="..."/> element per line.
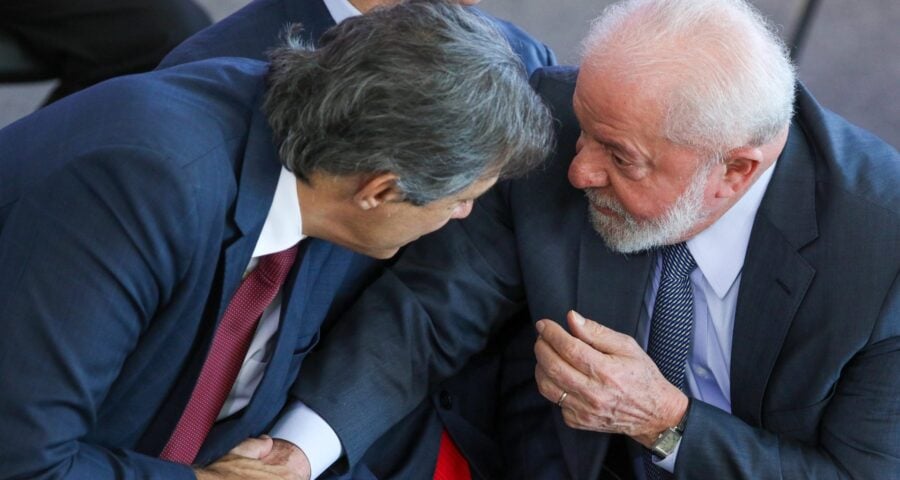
<point x="610" y="383"/>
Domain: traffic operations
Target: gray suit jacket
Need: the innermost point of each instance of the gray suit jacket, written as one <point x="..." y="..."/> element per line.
<point x="815" y="369"/>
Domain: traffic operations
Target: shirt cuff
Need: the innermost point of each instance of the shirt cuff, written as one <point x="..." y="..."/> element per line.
<point x="668" y="463"/>
<point x="304" y="428"/>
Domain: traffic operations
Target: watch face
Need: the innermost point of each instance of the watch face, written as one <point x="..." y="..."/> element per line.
<point x="665" y="444"/>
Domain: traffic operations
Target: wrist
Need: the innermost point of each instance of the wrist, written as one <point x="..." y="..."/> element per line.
<point x="672" y="413"/>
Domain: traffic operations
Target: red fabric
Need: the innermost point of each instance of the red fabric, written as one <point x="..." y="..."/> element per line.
<point x="226" y="355"/>
<point x="451" y="465"/>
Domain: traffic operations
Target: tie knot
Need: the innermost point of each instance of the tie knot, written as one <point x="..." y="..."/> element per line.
<point x="678" y="261"/>
<point x="275" y="266"/>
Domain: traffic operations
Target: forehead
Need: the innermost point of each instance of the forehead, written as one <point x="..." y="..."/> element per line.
<point x="609" y="103"/>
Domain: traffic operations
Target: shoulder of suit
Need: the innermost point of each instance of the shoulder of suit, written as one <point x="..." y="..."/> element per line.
<point x="851" y="161"/>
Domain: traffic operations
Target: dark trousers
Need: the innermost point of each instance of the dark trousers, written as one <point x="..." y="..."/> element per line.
<point x="88" y="41"/>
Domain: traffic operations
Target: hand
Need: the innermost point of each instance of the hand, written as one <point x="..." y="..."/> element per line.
<point x="243" y="462"/>
<point x="287" y="454"/>
<point x="612" y="385"/>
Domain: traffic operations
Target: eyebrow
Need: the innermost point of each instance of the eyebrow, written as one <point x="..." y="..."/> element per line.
<point x="631" y="154"/>
<point x="616" y="145"/>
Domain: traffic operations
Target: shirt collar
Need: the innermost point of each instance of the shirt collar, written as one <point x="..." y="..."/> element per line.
<point x="283" y="227"/>
<point x="720" y="249"/>
<point x="341" y="10"/>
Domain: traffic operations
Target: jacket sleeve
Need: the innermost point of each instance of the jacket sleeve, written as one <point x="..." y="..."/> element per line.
<point x="86" y="255"/>
<point x="857" y="424"/>
<point x="415" y="326"/>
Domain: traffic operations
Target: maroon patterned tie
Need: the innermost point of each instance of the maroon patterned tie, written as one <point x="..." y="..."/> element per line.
<point x="226" y="355"/>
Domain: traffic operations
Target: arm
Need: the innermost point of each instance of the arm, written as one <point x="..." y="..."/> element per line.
<point x="857" y="430"/>
<point x="415" y="326"/>
<point x="85" y="260"/>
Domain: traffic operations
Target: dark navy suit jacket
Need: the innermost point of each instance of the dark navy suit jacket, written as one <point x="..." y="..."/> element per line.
<point x="816" y="350"/>
<point x="410" y="449"/>
<point x="128" y="213"/>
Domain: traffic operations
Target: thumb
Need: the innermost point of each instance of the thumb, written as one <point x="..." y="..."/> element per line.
<point x="254" y="448"/>
<point x="602" y="339"/>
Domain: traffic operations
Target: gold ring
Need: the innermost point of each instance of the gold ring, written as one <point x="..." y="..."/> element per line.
<point x="562" y="398"/>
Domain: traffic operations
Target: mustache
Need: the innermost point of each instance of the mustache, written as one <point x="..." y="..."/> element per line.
<point x="603" y="201"/>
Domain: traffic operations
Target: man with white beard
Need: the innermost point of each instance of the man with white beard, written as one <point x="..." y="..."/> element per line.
<point x="743" y="291"/>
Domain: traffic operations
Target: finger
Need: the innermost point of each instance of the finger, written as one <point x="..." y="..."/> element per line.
<point x="549" y="389"/>
<point x="254" y="448"/>
<point x="546" y="387"/>
<point x="573" y="406"/>
<point x="573" y="351"/>
<point x="558" y="374"/>
<point x="600" y="338"/>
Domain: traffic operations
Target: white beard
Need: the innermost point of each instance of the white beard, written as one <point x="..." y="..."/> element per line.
<point x="629" y="235"/>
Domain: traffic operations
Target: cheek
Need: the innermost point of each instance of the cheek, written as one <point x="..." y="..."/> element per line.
<point x="426" y="224"/>
<point x="641" y="203"/>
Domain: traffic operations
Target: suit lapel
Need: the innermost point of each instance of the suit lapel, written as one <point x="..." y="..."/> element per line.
<point x="610" y="291"/>
<point x="256" y="187"/>
<point x="307" y="296"/>
<point x="775" y="276"/>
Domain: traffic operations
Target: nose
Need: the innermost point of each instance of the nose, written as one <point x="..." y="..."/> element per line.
<point x="462" y="210"/>
<point x="587" y="171"/>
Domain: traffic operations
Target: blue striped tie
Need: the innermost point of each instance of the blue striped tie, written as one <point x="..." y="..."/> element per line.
<point x="671" y="329"/>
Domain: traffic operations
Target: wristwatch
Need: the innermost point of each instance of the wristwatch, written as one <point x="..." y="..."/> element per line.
<point x="667" y="441"/>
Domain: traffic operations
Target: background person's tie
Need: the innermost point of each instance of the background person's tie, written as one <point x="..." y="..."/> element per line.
<point x="672" y="325"/>
<point x="226" y="355"/>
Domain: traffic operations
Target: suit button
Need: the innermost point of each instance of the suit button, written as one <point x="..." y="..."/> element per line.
<point x="446" y="400"/>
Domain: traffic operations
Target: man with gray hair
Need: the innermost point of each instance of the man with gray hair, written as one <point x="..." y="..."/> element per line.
<point x="172" y="242"/>
<point x="743" y="289"/>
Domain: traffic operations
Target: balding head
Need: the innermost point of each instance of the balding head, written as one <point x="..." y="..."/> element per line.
<point x="721" y="76"/>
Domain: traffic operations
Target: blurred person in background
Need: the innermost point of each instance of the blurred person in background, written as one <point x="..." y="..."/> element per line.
<point x="87" y="41"/>
<point x="256" y="28"/>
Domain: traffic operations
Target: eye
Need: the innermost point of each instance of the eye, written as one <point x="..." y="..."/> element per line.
<point x="620" y="161"/>
<point x="616" y="158"/>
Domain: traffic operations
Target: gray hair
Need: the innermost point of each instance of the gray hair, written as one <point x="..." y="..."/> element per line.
<point x="725" y="76"/>
<point x="424" y="89"/>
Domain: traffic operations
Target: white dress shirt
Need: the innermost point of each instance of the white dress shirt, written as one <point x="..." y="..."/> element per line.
<point x="719" y="252"/>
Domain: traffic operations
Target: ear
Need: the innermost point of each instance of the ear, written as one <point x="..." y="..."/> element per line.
<point x="377" y="189"/>
<point x="741" y="166"/>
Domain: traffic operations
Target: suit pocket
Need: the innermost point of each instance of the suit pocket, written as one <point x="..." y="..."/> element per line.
<point x="798" y="423"/>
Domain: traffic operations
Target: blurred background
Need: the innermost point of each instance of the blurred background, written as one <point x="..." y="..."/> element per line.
<point x="850" y="58"/>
